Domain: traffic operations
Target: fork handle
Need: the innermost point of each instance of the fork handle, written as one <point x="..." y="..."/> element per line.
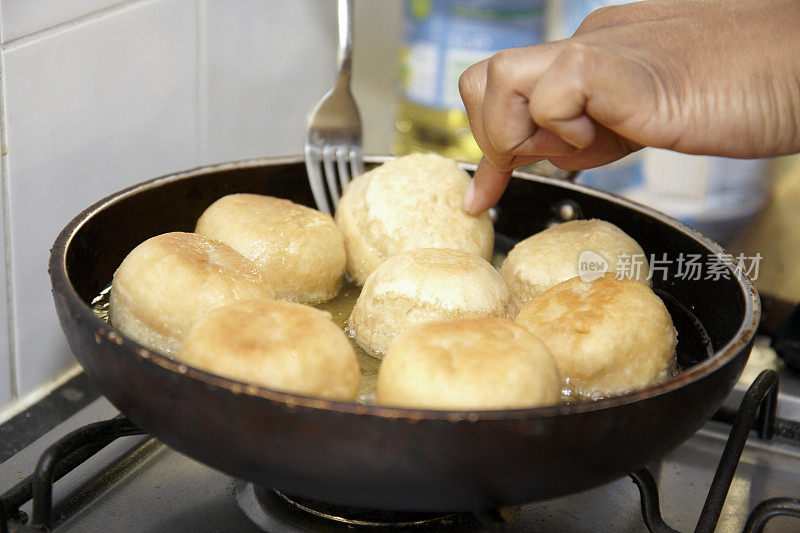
<point x="345" y="57"/>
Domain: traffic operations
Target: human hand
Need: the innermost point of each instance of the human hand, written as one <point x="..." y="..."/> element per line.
<point x="702" y="77"/>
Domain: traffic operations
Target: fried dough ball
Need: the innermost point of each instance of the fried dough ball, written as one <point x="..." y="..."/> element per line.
<point x="422" y="285"/>
<point x="555" y="255"/>
<point x="468" y="363"/>
<point x="171" y="280"/>
<point x="286" y="346"/>
<point x="608" y="336"/>
<point x="411" y="202"/>
<point x="299" y="250"/>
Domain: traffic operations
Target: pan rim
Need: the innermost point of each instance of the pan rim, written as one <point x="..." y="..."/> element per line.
<point x="720" y="357"/>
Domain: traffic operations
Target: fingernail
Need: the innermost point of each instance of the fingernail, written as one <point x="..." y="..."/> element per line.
<point x="469" y="196"/>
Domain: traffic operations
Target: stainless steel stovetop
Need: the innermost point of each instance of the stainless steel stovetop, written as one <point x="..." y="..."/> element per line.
<point x="138" y="484"/>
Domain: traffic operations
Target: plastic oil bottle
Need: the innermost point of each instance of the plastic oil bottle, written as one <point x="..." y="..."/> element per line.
<point x="441" y="39"/>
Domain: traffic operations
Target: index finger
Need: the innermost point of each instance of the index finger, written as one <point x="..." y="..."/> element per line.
<point x="486" y="188"/>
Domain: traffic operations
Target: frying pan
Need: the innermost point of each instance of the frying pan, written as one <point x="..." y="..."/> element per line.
<point x="388" y="458"/>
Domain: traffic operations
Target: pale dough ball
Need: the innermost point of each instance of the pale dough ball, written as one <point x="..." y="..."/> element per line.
<point x="299" y="250"/>
<point x="554" y="255"/>
<point x="608" y="336"/>
<point x="285" y="346"/>
<point x="171" y="280"/>
<point x="422" y="285"/>
<point x="468" y="363"/>
<point x="407" y="203"/>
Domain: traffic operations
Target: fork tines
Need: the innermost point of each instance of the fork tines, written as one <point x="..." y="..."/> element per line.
<point x="339" y="164"/>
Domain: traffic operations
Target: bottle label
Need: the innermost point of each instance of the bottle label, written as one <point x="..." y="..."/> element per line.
<point x="444" y="37"/>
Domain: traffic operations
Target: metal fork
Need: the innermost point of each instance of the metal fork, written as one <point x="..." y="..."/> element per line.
<point x="333" y="135"/>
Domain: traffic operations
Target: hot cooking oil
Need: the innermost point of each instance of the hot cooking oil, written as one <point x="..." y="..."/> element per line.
<point x="694" y="345"/>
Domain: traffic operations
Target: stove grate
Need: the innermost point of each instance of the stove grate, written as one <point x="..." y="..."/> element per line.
<point x="57" y="461"/>
<point x="756" y="411"/>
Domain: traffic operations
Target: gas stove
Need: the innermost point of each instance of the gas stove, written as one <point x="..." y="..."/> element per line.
<point x="110" y="477"/>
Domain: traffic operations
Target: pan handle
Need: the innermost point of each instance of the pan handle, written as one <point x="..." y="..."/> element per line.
<point x="780" y="320"/>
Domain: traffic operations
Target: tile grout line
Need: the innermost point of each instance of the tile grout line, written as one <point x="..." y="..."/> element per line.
<point x="68" y="25"/>
<point x="6" y="199"/>
<point x="202" y="85"/>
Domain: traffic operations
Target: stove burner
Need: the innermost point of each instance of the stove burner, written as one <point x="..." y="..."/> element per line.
<point x="355" y="516"/>
<point x="272" y="510"/>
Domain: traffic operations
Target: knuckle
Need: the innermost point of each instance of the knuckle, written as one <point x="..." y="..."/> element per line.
<point x="501" y="66"/>
<point x="468" y="85"/>
<point x="562" y="90"/>
<point x="576" y="57"/>
<point x="574" y="66"/>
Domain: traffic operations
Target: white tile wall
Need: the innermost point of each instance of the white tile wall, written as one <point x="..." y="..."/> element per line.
<point x="89" y="110"/>
<point x="268" y="63"/>
<point x="140" y="88"/>
<point x="376" y="66"/>
<point x="263" y="72"/>
<point x="24" y="17"/>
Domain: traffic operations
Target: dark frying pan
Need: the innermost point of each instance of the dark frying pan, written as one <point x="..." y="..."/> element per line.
<point x="388" y="458"/>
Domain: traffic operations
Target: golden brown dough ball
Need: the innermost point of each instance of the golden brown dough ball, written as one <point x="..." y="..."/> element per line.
<point x="422" y="285"/>
<point x="553" y="255"/>
<point x="299" y="250"/>
<point x="279" y="345"/>
<point x="169" y="281"/>
<point x="468" y="363"/>
<point x="608" y="336"/>
<point x="411" y="202"/>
